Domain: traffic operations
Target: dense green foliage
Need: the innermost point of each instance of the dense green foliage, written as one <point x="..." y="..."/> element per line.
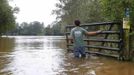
<point x="7" y="19"/>
<point x="93" y="10"/>
<point x="85" y="10"/>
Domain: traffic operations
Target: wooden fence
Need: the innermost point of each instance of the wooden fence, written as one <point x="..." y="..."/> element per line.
<point x="108" y="43"/>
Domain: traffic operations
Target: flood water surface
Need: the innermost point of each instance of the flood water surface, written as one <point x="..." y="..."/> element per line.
<point x="47" y="55"/>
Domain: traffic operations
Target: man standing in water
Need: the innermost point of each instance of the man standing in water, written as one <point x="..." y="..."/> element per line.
<point x="76" y="36"/>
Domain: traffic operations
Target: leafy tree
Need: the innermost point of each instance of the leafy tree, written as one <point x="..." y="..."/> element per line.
<point x="57" y="29"/>
<point x="85" y="10"/>
<point x="35" y="28"/>
<point x="48" y="30"/>
<point x="7" y="19"/>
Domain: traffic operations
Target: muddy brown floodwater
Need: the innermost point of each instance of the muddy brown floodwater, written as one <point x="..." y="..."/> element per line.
<point x="47" y="55"/>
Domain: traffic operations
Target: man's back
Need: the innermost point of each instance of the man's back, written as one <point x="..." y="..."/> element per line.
<point x="77" y="33"/>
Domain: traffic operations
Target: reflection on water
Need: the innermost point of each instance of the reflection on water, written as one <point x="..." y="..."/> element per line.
<point x="6" y="44"/>
<point x="46" y="55"/>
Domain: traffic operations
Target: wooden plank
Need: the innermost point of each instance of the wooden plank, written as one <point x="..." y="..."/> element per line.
<point x="103" y="40"/>
<point x="110" y="32"/>
<point x="100" y="47"/>
<point x="103" y="54"/>
<point x="103" y="32"/>
<point x="95" y="24"/>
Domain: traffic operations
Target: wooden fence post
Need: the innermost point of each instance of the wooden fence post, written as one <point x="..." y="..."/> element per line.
<point x="126" y="38"/>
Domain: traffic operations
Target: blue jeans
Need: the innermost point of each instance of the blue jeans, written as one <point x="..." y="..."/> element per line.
<point x="80" y="50"/>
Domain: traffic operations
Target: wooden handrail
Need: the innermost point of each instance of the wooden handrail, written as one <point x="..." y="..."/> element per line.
<point x="96" y="24"/>
<point x="104" y="32"/>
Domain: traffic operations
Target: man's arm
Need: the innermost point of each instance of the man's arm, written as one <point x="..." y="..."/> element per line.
<point x="70" y="39"/>
<point x="93" y="33"/>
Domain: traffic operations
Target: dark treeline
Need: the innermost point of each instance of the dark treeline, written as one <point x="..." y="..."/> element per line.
<point x="35" y="28"/>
